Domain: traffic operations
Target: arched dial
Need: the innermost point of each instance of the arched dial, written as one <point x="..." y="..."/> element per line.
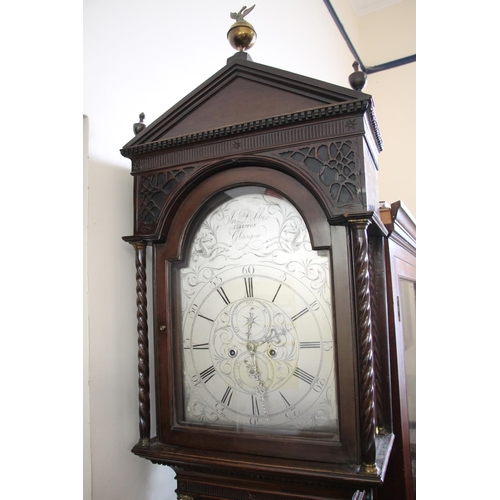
<point x="257" y="335"/>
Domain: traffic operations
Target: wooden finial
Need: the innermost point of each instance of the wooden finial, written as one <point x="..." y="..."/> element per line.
<point x="138" y="127"/>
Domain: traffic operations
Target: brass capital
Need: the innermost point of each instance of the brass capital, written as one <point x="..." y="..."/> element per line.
<point x="359" y="222"/>
<point x="143" y="443"/>
<point x="139" y="245"/>
<point x="370" y="468"/>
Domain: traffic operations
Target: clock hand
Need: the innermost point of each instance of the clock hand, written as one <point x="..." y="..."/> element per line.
<point x="260" y="390"/>
<point x="254" y="373"/>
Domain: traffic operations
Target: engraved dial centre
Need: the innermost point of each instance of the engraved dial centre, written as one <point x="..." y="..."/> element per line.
<point x="262" y="345"/>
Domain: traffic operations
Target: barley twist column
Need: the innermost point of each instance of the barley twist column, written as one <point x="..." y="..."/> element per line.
<point x="359" y="238"/>
<point x="142" y="330"/>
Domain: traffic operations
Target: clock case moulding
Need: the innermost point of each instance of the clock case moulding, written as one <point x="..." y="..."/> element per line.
<point x="317" y="144"/>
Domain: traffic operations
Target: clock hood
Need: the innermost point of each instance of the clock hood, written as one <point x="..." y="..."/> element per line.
<point x="244" y="96"/>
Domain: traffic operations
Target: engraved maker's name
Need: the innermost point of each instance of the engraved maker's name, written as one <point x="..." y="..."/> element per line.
<point x="245" y="224"/>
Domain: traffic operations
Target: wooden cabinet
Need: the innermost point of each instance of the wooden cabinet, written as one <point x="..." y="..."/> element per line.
<point x="400" y="250"/>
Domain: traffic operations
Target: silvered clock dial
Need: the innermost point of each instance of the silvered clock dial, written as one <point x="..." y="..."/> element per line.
<point x="257" y="335"/>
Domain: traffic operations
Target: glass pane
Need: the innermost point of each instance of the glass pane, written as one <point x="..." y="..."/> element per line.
<point x="258" y="337"/>
<point x="407" y="290"/>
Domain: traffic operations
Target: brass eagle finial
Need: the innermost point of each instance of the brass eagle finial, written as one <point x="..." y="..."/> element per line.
<point x="242" y="34"/>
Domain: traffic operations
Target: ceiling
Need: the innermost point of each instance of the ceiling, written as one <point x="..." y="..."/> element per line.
<point x="381" y="34"/>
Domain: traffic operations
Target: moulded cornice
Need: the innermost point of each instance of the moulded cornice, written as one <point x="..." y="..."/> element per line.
<point x="265" y="123"/>
<point x="403" y="227"/>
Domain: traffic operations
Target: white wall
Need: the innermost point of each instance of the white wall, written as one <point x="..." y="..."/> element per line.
<point x="144" y="57"/>
<point x="395" y="108"/>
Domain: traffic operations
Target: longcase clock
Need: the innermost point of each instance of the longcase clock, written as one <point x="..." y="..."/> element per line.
<point x="257" y="195"/>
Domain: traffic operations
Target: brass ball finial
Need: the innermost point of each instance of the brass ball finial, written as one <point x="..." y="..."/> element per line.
<point x="241" y="34"/>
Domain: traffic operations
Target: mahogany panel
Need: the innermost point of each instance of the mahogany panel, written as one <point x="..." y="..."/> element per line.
<point x="239" y="101"/>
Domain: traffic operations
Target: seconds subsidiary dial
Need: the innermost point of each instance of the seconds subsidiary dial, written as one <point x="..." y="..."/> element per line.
<point x="258" y="344"/>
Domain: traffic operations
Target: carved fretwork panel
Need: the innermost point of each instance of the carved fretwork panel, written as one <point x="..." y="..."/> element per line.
<point x="153" y="191"/>
<point x="336" y="167"/>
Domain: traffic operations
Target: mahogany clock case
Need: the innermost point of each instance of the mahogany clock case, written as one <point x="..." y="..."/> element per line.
<point x="316" y="145"/>
<point x="270" y="443"/>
